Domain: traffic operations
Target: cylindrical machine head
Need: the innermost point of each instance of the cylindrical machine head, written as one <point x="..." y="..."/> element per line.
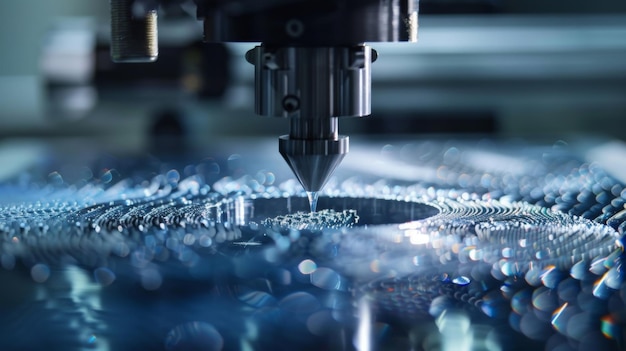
<point x="312" y="82"/>
<point x="309" y="22"/>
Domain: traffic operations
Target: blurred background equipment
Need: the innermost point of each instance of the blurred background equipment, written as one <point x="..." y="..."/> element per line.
<point x="501" y="68"/>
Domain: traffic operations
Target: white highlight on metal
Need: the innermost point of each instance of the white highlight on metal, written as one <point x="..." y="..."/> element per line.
<point x="456" y="332"/>
<point x="363" y="337"/>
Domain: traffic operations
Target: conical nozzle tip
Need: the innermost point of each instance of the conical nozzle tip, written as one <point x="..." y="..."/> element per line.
<point x="313" y="161"/>
<point x="313" y="171"/>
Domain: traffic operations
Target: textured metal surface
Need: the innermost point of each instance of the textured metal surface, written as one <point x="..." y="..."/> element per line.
<point x="134" y="34"/>
<point x="525" y="243"/>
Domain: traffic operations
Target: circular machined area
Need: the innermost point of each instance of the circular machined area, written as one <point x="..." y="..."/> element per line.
<point x="371" y="211"/>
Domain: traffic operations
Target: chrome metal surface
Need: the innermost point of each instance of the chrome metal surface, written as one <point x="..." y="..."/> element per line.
<point x="313" y="86"/>
<point x="312" y="82"/>
<point x="312" y="66"/>
<point x="314" y="128"/>
<point x="320" y="22"/>
<point x="313" y="160"/>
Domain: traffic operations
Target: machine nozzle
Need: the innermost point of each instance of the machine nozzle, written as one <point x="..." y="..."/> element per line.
<point x="313" y="150"/>
<point x="312" y="87"/>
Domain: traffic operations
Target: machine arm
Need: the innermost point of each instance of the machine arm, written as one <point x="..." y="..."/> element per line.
<point x="312" y="67"/>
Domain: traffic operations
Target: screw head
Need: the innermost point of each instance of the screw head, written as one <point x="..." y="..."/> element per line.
<point x="294" y="28"/>
<point x="291" y="103"/>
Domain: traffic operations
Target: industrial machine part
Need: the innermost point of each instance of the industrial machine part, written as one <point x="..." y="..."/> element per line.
<point x="312" y="67"/>
<point x="134" y="31"/>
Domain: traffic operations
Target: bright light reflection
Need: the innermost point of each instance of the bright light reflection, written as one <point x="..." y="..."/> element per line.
<point x="475" y="254"/>
<point x="363" y="340"/>
<point x="417" y="238"/>
<point x="456" y="331"/>
<point x="609" y="327"/>
<point x="556" y="315"/>
<point x="307" y="266"/>
<point x="409" y="225"/>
